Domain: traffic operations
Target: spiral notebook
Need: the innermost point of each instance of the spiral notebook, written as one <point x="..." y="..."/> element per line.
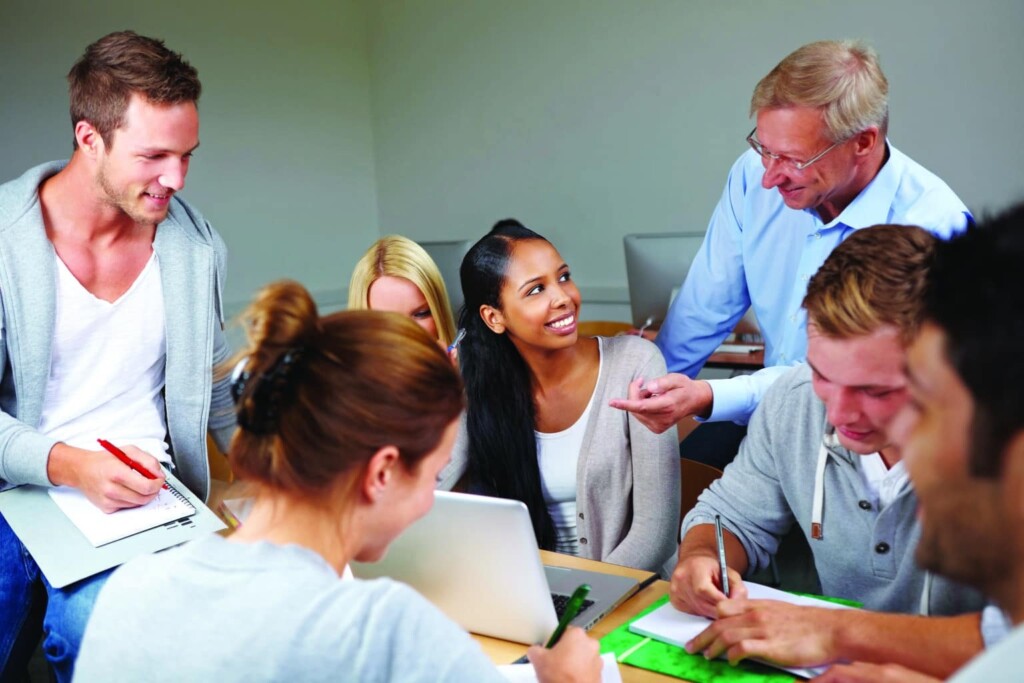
<point x="102" y="528"/>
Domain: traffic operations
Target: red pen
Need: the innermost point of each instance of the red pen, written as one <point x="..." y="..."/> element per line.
<point x="123" y="457"/>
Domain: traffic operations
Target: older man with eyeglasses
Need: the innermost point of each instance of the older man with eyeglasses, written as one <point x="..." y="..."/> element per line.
<point x="820" y="167"/>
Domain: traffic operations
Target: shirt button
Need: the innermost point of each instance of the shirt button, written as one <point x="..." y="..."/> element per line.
<point x="882" y="548"/>
<point x="864" y="505"/>
<point x="792" y="318"/>
<point x="583" y="541"/>
<point x="817" y="235"/>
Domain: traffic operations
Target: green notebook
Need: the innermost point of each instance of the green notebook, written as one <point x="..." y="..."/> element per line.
<point x="631" y="649"/>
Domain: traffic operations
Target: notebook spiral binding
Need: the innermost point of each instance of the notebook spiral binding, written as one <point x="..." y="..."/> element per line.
<point x="181" y="497"/>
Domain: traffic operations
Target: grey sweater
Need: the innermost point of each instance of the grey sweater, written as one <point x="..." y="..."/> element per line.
<point x="213" y="610"/>
<point x="627" y="477"/>
<point x="192" y="263"/>
<point x="864" y="555"/>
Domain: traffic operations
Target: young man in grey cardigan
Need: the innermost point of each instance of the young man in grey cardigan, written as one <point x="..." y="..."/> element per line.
<point x="818" y="455"/>
<point x="111" y="320"/>
<point x="962" y="435"/>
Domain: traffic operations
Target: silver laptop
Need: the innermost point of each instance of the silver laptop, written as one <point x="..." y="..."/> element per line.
<point x="476" y="559"/>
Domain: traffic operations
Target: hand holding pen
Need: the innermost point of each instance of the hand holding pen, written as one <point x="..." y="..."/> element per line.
<point x="703" y="577"/>
<point x="103" y="478"/>
<point x="132" y="484"/>
<point x="570" y="654"/>
<point x="123" y="457"/>
<point x="453" y="348"/>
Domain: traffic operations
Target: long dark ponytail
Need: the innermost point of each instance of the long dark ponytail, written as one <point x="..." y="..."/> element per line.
<point x="500" y="416"/>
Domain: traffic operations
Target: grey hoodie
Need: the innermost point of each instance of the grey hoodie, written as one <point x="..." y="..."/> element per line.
<point x="192" y="263"/>
<point x="863" y="555"/>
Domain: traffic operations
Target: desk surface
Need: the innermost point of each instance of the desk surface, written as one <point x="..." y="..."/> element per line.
<point x="503" y="651"/>
<point x="739" y="361"/>
<point x="735" y="361"/>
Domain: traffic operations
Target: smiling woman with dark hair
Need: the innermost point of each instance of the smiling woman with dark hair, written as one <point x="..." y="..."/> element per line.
<point x="597" y="483"/>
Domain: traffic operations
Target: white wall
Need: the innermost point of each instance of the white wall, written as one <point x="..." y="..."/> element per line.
<point x="591" y="119"/>
<point x="285" y="171"/>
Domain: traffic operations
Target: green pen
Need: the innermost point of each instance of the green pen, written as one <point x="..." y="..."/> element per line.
<point x="571" y="610"/>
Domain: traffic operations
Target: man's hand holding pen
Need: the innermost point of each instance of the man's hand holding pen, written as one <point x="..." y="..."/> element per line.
<point x="106" y="481"/>
<point x="696" y="585"/>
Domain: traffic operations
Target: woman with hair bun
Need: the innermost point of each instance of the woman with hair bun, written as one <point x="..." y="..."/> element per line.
<point x="344" y="424"/>
<point x="538" y="426"/>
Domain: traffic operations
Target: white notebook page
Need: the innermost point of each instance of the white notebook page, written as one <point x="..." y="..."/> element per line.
<point x="102" y="528"/>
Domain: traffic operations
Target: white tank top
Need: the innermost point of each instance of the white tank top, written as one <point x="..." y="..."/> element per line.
<point x="557" y="456"/>
<point x="107" y="366"/>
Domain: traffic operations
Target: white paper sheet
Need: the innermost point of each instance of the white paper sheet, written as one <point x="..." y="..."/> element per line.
<point x="524" y="673"/>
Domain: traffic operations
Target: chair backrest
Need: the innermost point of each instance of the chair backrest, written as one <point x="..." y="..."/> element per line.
<point x="219" y="467"/>
<point x="601" y="328"/>
<point x="695" y="477"/>
<point x="448" y="257"/>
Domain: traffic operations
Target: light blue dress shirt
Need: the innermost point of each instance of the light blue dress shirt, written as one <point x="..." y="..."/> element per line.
<point x="759" y="253"/>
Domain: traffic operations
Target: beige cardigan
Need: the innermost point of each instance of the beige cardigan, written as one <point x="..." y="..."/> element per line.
<point x="627" y="477"/>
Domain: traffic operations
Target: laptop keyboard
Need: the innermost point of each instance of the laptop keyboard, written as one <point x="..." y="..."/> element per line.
<point x="561" y="601"/>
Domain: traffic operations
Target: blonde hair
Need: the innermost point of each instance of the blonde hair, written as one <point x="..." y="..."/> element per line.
<point x="842" y="78"/>
<point x="309" y="396"/>
<point x="876" y="277"/>
<point x="397" y="256"/>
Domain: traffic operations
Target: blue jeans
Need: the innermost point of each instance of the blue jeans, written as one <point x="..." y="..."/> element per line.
<point x="25" y="596"/>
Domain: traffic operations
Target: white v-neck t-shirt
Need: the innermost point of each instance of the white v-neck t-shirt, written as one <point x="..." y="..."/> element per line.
<point x="107" y="365"/>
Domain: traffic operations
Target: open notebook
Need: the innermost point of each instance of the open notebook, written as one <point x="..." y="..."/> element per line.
<point x="669" y="625"/>
<point x="102" y="528"/>
<point x="63" y="552"/>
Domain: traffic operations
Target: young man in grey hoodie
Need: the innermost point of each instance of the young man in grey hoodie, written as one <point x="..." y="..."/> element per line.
<point x="962" y="435"/>
<point x="111" y="318"/>
<point x="818" y="455"/>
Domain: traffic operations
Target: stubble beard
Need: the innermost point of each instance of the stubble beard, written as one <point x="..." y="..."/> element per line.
<point x="959" y="540"/>
<point x="124" y="200"/>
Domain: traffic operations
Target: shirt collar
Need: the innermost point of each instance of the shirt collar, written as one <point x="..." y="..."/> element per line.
<point x="871" y="206"/>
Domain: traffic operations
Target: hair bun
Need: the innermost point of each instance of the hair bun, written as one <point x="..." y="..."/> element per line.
<point x="283" y="326"/>
<point x="259" y="397"/>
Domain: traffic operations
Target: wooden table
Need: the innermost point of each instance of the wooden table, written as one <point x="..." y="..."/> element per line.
<point x="737" y="361"/>
<point x="503" y="651"/>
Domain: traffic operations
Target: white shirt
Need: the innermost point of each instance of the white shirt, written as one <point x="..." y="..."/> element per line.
<point x="883" y="482"/>
<point x="107" y="365"/>
<point x="998" y="664"/>
<point x="558" y="455"/>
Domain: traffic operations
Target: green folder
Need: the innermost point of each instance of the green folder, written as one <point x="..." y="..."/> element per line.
<point x="630" y="648"/>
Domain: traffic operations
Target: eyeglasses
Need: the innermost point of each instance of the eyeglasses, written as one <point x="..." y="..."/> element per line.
<point x="782" y="158"/>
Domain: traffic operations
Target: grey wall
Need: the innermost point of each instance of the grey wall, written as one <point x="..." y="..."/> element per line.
<point x="327" y="123"/>
<point x="591" y="119"/>
<point x="285" y="171"/>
